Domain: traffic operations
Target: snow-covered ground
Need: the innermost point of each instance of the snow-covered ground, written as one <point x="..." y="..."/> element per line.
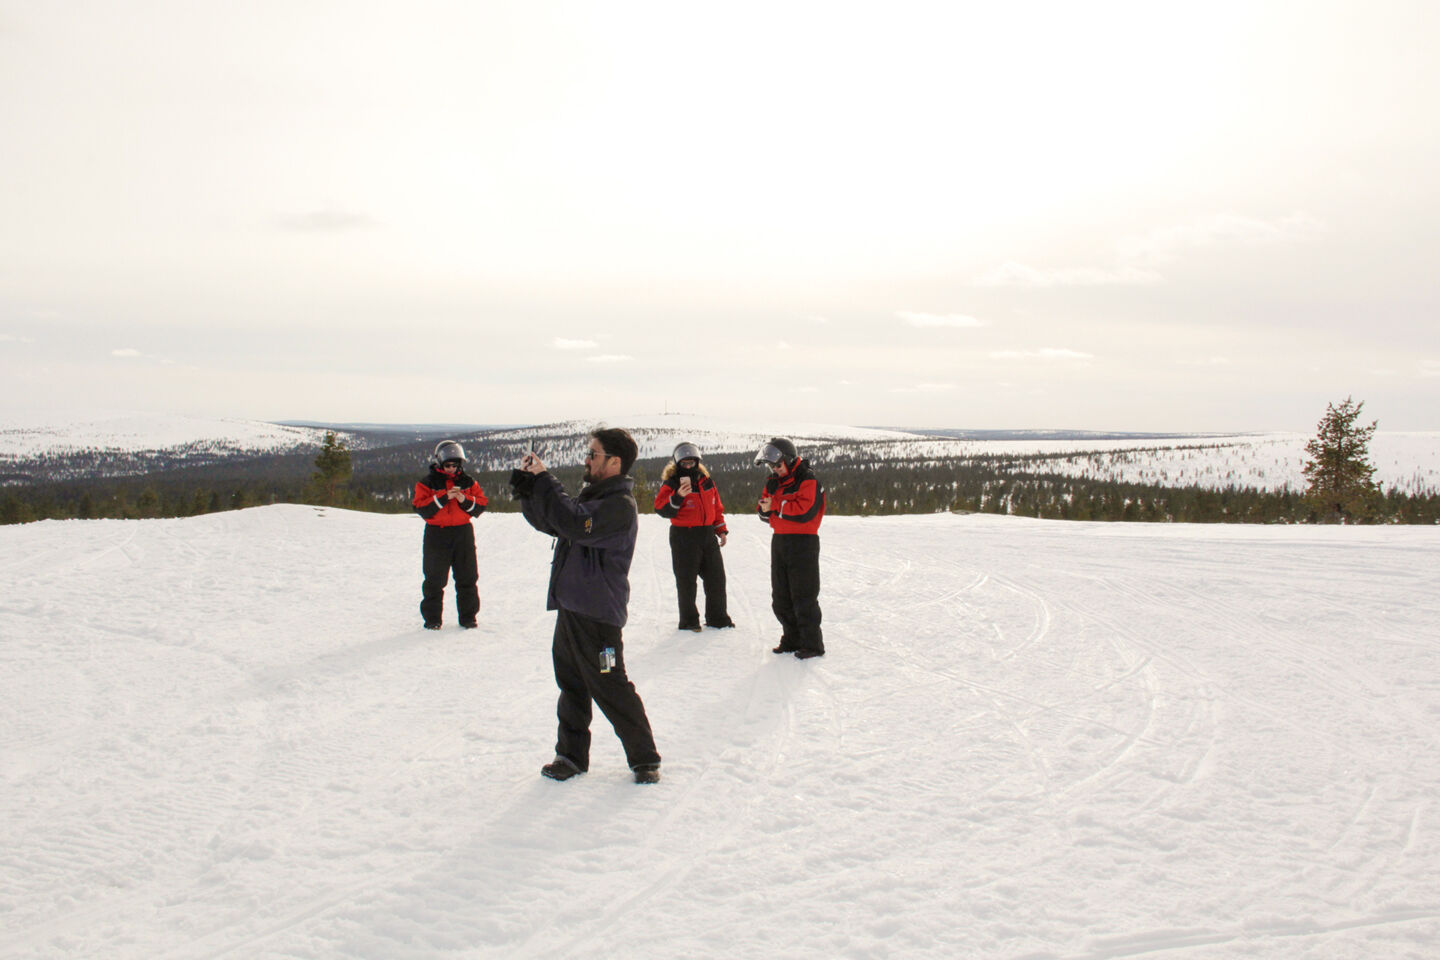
<point x="227" y="736"/>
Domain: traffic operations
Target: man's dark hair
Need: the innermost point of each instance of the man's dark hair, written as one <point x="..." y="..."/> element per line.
<point x="618" y="443"/>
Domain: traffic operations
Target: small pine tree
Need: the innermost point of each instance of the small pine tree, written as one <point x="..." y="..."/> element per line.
<point x="1342" y="488"/>
<point x="332" y="466"/>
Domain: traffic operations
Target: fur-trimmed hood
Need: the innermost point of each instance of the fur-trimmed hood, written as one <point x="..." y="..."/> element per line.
<point x="672" y="468"/>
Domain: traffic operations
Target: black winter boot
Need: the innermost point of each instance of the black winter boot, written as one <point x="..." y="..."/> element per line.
<point x="560" y="769"/>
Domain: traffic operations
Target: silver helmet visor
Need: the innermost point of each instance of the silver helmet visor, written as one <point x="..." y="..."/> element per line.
<point x="769" y="454"/>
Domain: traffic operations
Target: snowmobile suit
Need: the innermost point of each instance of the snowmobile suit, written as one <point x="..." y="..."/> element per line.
<point x="797" y="506"/>
<point x="695" y="522"/>
<point x="590" y="590"/>
<point x="449" y="544"/>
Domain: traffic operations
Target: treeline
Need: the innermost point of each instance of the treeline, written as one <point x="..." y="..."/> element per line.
<point x="854" y="486"/>
<point x="1021" y="487"/>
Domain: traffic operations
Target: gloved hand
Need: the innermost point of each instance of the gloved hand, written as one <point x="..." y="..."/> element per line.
<point x="522" y="484"/>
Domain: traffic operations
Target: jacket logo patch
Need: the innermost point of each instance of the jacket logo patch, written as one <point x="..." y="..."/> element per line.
<point x="589" y="525"/>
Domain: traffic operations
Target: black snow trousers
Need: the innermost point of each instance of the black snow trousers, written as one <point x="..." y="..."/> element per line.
<point x="694" y="551"/>
<point x="795" y="589"/>
<point x="446" y="549"/>
<point x="590" y="665"/>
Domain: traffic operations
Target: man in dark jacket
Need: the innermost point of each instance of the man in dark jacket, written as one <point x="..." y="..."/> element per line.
<point x="590" y="588"/>
<point x="447" y="499"/>
<point x="793" y="504"/>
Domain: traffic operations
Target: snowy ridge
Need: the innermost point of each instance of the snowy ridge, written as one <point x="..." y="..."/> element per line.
<point x="153" y="433"/>
<point x="1029" y="739"/>
<point x="134" y="443"/>
<point x="1409" y="462"/>
<point x="1406" y="461"/>
<point x="658" y="434"/>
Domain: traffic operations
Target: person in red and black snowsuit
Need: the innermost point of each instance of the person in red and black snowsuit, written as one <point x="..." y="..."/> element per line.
<point x="793" y="504"/>
<point x="689" y="500"/>
<point x="448" y="500"/>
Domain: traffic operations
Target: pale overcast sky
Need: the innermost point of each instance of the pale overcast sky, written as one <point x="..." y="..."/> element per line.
<point x="1109" y="215"/>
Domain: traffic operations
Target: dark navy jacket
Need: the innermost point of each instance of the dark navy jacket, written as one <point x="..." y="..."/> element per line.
<point x="594" y="543"/>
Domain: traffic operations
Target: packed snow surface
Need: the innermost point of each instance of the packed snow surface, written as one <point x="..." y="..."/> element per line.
<point x="227" y="736"/>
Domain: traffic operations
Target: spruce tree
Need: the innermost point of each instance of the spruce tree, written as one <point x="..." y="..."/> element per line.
<point x="332" y="466"/>
<point x="1342" y="488"/>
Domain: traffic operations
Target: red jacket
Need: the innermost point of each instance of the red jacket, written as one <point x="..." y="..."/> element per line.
<point x="702" y="508"/>
<point x="797" y="501"/>
<point x="439" y="510"/>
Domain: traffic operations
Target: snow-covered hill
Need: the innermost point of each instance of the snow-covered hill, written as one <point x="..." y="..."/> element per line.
<point x="134" y="444"/>
<point x="139" y="433"/>
<point x="227" y="736"/>
<point x="1409" y="462"/>
<point x="658" y="434"/>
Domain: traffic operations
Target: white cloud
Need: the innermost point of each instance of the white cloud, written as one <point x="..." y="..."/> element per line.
<point x="938" y="319"/>
<point x="1045" y="353"/>
<point x="560" y="343"/>
<point x="11" y="338"/>
<point x="1164" y="245"/>
<point x="609" y="358"/>
<point x="130" y="353"/>
<point x="925" y="388"/>
<point x="326" y="221"/>
<point x="1137" y="257"/>
<point x="1012" y="274"/>
<point x="1430" y="368"/>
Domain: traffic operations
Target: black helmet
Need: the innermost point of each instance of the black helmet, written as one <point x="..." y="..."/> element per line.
<point x="776" y="450"/>
<point x="686" y="451"/>
<point x="447" y="450"/>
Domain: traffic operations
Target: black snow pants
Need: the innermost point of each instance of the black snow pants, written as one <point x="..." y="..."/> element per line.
<point x="590" y="665"/>
<point x="694" y="551"/>
<point x="448" y="548"/>
<point x="795" y="589"/>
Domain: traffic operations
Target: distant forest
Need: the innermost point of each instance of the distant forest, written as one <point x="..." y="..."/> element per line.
<point x="858" y="481"/>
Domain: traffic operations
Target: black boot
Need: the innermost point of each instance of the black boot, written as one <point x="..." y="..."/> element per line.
<point x="561" y="768"/>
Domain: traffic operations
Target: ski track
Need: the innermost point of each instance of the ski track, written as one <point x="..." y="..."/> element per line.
<point x="1028" y="740"/>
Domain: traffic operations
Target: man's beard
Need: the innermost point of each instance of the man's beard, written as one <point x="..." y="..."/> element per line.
<point x="589" y="477"/>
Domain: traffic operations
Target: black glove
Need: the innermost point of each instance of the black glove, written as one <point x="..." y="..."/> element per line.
<point x="771" y="485"/>
<point x="522" y="484"/>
